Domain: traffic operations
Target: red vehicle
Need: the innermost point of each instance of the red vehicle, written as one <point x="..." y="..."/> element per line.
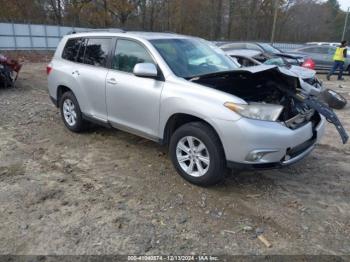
<point x="9" y="69"/>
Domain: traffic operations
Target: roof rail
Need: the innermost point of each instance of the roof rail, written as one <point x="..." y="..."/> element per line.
<point x="110" y="30"/>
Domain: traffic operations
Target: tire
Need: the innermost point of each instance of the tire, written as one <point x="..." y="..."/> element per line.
<point x="69" y="99"/>
<point x="200" y="134"/>
<point x="334" y="99"/>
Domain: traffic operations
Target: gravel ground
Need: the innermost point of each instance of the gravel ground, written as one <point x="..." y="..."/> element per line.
<point x="109" y="192"/>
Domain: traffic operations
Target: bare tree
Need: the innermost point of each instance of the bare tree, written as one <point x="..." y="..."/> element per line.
<point x="298" y="20"/>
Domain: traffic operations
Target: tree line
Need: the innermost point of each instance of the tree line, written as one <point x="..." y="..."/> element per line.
<point x="297" y="20"/>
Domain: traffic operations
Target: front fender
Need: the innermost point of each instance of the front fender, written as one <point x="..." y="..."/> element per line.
<point x="205" y="110"/>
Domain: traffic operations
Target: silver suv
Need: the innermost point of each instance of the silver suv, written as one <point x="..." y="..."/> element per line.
<point x="186" y="93"/>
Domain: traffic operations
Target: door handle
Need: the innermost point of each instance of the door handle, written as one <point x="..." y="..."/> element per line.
<point x="112" y="81"/>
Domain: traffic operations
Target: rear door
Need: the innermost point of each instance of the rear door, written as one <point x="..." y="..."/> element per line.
<point x="133" y="102"/>
<point x="92" y="72"/>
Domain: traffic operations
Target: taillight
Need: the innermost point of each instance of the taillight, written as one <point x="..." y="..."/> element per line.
<point x="309" y="63"/>
<point x="48" y="70"/>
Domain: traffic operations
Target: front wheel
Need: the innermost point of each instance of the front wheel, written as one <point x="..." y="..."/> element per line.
<point x="197" y="154"/>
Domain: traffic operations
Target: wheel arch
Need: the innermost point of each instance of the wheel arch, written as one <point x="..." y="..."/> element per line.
<point x="61" y="89"/>
<point x="179" y="119"/>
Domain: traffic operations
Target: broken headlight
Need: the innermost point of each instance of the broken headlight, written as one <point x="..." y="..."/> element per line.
<point x="267" y="112"/>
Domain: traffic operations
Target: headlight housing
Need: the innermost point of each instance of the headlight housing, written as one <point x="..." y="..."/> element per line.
<point x="267" y="112"/>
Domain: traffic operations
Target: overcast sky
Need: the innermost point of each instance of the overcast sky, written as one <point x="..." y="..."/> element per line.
<point x="344" y="4"/>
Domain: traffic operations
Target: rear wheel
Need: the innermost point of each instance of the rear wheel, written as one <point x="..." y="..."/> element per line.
<point x="197" y="154"/>
<point x="71" y="114"/>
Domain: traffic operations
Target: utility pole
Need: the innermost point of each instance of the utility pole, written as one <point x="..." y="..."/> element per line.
<point x="346" y="24"/>
<point x="274" y="22"/>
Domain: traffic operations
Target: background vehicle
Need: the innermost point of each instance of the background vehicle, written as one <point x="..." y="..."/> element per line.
<point x="9" y="70"/>
<point x="322" y="55"/>
<point x="294" y="59"/>
<point x="186" y="93"/>
<point x="252" y="58"/>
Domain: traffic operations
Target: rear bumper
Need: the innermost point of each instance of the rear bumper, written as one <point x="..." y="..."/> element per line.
<point x="278" y="145"/>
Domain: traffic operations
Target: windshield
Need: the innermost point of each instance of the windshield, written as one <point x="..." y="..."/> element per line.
<point x="188" y="58"/>
<point x="269" y="48"/>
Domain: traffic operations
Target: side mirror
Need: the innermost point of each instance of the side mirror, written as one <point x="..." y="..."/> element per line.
<point x="145" y="70"/>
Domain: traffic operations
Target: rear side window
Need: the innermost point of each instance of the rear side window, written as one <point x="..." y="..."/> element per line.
<point x="71" y="50"/>
<point x="96" y="52"/>
<point x="253" y="47"/>
<point x="331" y="50"/>
<point x="128" y="54"/>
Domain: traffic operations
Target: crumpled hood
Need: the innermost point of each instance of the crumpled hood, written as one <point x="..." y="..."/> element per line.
<point x="298" y="71"/>
<point x="256" y="69"/>
<point x="288" y="55"/>
<point x="302" y="72"/>
<point x="251" y="69"/>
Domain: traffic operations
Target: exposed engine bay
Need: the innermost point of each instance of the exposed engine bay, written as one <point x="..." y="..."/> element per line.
<point x="270" y="86"/>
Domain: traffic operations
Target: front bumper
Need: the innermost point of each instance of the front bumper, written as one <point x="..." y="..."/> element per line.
<point x="280" y="146"/>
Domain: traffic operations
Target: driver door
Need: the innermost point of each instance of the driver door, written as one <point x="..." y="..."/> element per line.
<point x="132" y="102"/>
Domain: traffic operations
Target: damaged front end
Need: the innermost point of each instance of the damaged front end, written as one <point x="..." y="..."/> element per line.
<point x="272" y="95"/>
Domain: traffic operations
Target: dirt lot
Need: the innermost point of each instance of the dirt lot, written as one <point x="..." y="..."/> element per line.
<point x="109" y="192"/>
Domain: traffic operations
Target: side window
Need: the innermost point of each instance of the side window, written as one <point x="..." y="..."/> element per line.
<point x="245" y="62"/>
<point x="96" y="51"/>
<point x="315" y="50"/>
<point x="323" y="50"/>
<point x="331" y="50"/>
<point x="129" y="53"/>
<point x="70" y="51"/>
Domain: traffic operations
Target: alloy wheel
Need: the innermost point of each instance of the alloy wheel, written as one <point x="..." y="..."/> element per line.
<point x="69" y="112"/>
<point x="193" y="156"/>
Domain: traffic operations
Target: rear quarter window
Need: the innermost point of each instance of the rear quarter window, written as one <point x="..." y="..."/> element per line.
<point x="71" y="49"/>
